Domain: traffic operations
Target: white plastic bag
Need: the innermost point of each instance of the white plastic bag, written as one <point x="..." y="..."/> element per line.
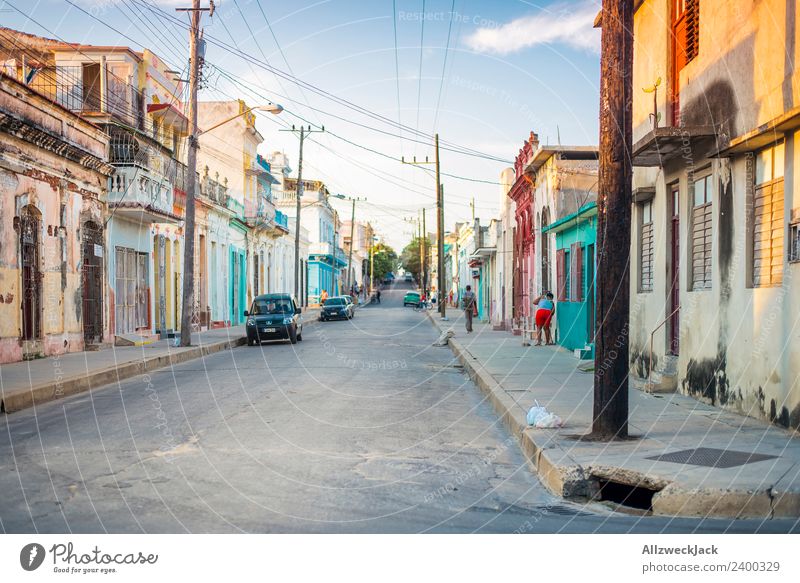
<point x="541" y="418"/>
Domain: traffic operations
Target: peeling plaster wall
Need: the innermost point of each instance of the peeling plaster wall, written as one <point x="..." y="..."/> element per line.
<point x="32" y="176"/>
<point x="739" y="345"/>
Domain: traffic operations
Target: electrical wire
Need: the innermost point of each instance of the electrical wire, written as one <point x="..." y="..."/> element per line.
<point x="444" y="64"/>
<point x="445" y="145"/>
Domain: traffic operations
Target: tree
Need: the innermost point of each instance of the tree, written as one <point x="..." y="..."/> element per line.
<point x="384" y="260"/>
<point x="410" y="258"/>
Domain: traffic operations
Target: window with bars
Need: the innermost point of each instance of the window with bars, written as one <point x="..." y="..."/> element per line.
<point x="646" y="246"/>
<point x="794" y="242"/>
<point x="767" y="217"/>
<point x="701" y="193"/>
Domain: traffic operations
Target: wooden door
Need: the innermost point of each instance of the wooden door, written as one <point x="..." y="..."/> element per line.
<point x="674" y="289"/>
<point x="31" y="275"/>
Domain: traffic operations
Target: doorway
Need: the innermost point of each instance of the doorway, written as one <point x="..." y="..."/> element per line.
<point x="31" y="275"/>
<point x="591" y="319"/>
<point x="92" y="282"/>
<point x="674" y="289"/>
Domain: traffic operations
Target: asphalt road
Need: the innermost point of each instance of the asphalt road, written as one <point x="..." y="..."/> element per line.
<point x="362" y="427"/>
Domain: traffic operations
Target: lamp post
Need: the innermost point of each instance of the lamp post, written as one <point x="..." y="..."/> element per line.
<point x="189" y="223"/>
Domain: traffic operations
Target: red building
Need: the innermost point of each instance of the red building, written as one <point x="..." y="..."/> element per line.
<point x="522" y="194"/>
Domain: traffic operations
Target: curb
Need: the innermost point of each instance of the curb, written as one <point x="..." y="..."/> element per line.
<point x="566" y="478"/>
<point x="18" y="400"/>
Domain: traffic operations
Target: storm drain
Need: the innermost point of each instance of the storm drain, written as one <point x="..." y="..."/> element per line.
<point x="709" y="457"/>
<point x="627" y="495"/>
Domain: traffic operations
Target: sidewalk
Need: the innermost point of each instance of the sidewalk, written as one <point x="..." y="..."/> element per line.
<point x="29" y="383"/>
<point x="513" y="377"/>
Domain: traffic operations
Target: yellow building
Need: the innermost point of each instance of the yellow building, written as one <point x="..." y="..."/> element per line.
<point x="715" y="245"/>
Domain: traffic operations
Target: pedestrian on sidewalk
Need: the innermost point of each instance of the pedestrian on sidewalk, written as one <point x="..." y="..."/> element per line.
<point x="323" y="296"/>
<point x="545" y="308"/>
<point x="468" y="304"/>
<point x="378" y="296"/>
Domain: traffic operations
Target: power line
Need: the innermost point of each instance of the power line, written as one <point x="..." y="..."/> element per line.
<point x="449" y="146"/>
<point x="421" y="51"/>
<point x="444" y="64"/>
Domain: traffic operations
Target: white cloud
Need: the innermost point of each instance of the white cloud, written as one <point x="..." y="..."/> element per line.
<point x="562" y="24"/>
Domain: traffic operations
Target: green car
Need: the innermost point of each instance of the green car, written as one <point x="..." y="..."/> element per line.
<point x="411" y="299"/>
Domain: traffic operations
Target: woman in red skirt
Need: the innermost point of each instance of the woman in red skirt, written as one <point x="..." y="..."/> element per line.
<point x="545" y="308"/>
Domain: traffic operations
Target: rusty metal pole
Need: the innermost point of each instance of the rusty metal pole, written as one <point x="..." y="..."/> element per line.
<point x="610" y="418"/>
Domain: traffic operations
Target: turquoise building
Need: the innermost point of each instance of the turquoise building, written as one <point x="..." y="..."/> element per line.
<point x="575" y="237"/>
<point x="237" y="257"/>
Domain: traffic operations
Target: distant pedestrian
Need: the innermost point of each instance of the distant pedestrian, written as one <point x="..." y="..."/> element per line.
<point x="545" y="308"/>
<point x="378" y="296"/>
<point x="450" y="295"/>
<point x="323" y="296"/>
<point x="468" y="305"/>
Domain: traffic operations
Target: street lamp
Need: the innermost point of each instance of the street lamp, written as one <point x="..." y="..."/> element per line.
<point x="272" y="108"/>
<point x="188" y="247"/>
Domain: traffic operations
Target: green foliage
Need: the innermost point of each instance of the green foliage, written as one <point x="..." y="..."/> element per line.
<point x="410" y="257"/>
<point x="384" y="260"/>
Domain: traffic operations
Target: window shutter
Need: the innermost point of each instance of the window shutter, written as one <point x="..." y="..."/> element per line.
<point x="576" y="293"/>
<point x="768" y="234"/>
<point x="560" y="275"/>
<point x="692" y="29"/>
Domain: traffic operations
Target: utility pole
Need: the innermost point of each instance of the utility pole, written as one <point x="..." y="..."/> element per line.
<point x="350" y="251"/>
<point x="424" y="255"/>
<point x="440" y="283"/>
<point x="371" y="266"/>
<point x="610" y="419"/>
<point x="440" y="235"/>
<point x="299" y="195"/>
<point x="421" y="253"/>
<point x="191" y="172"/>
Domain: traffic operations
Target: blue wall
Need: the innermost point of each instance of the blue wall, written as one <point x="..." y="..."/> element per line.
<point x="573" y="317"/>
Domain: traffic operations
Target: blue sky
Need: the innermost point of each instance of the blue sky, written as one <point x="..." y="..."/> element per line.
<point x="511" y="67"/>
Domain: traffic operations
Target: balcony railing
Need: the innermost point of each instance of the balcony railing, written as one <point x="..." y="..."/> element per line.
<point x="78" y="88"/>
<point x="281" y="220"/>
<point x="136" y="186"/>
<point x="236" y="206"/>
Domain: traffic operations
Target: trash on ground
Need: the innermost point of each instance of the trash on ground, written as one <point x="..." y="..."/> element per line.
<point x="541" y="418"/>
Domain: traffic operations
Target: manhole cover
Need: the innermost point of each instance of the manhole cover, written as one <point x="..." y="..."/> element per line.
<point x="712" y="458"/>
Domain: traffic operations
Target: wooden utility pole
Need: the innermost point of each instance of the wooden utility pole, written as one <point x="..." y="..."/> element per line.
<point x="439" y="229"/>
<point x="191" y="171"/>
<point x="349" y="281"/>
<point x="424" y="256"/>
<point x="350" y="250"/>
<point x="421" y="253"/>
<point x="299" y="196"/>
<point x="610" y="420"/>
<point x="440" y="235"/>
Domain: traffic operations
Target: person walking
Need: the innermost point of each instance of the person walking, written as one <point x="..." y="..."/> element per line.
<point x="468" y="305"/>
<point x="378" y="296"/>
<point x="323" y="296"/>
